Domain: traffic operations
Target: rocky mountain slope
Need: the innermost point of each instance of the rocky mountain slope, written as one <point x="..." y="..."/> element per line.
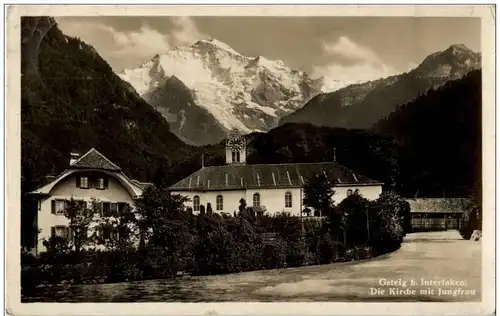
<point x="207" y="89"/>
<point x="362" y="105"/>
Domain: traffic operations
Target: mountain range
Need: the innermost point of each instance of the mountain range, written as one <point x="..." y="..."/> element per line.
<point x="71" y="100"/>
<point x="208" y="88"/>
<point x="363" y="105"/>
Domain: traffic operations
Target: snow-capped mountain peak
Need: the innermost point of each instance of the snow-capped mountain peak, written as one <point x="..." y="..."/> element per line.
<point x="217" y="44"/>
<point x="236" y="91"/>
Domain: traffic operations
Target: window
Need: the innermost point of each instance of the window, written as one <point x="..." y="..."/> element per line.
<point x="256" y="200"/>
<point x="99" y="183"/>
<point x="196" y="203"/>
<point x="61" y="231"/>
<point x="349" y="192"/>
<point x="109" y="209"/>
<point x="317" y="213"/>
<point x="219" y="203"/>
<point x="236" y="156"/>
<point x="109" y="233"/>
<point x="58" y="207"/>
<point x="82" y="182"/>
<point x="288" y="199"/>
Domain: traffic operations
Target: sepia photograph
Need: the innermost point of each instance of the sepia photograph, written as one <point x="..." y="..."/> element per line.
<point x="177" y="156"/>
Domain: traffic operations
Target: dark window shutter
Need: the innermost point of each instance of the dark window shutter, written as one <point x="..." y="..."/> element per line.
<point x="113" y="209"/>
<point x="53" y="206"/>
<point x="105" y="183"/>
<point x="105" y="209"/>
<point x="52" y="231"/>
<point x="78" y="181"/>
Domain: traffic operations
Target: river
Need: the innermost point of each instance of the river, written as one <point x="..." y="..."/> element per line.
<point x="441" y="265"/>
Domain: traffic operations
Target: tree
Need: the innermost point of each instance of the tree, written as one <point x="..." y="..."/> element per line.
<point x="118" y="230"/>
<point x="472" y="216"/>
<point x="57" y="247"/>
<point x="164" y="225"/>
<point x="391" y="206"/>
<point x="355" y="218"/>
<point x="318" y="193"/>
<point x="243" y="205"/>
<point x="154" y="208"/>
<point x="80" y="218"/>
<point x="390" y="219"/>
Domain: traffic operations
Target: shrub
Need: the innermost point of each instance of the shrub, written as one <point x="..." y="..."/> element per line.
<point x="175" y="241"/>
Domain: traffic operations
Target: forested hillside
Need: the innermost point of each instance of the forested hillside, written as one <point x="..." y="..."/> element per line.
<point x="73" y="101"/>
<point x="441" y="131"/>
<point x="372" y="155"/>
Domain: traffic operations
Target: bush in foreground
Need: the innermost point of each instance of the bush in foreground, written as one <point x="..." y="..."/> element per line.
<point x="175" y="241"/>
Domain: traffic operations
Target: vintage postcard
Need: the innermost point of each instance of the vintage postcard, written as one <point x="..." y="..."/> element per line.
<point x="251" y="159"/>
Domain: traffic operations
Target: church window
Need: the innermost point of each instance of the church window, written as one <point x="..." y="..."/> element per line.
<point x="256" y="200"/>
<point x="288" y="199"/>
<point x="219" y="203"/>
<point x="236" y="156"/>
<point x="349" y="192"/>
<point x="196" y="203"/>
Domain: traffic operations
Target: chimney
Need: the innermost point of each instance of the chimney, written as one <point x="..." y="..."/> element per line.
<point x="73" y="158"/>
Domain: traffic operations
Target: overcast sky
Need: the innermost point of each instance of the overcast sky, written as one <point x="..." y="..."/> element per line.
<point x="343" y="48"/>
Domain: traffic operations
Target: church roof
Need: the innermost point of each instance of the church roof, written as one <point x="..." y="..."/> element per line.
<point x="94" y="160"/>
<point x="267" y="176"/>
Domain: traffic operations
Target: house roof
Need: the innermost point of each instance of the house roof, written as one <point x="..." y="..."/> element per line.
<point x="262" y="176"/>
<point x="437" y="205"/>
<point x="94" y="160"/>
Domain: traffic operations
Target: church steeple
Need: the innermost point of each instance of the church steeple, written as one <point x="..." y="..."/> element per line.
<point x="236" y="148"/>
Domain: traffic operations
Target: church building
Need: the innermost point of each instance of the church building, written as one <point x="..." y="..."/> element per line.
<point x="268" y="188"/>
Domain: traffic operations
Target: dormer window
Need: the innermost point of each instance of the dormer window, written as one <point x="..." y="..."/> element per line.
<point x="82" y="182"/>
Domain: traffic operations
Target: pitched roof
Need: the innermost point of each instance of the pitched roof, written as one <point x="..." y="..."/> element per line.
<point x="437" y="205"/>
<point x="233" y="177"/>
<point x="94" y="160"/>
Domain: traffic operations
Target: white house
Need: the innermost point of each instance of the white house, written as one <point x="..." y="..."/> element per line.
<point x="89" y="177"/>
<point x="271" y="188"/>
